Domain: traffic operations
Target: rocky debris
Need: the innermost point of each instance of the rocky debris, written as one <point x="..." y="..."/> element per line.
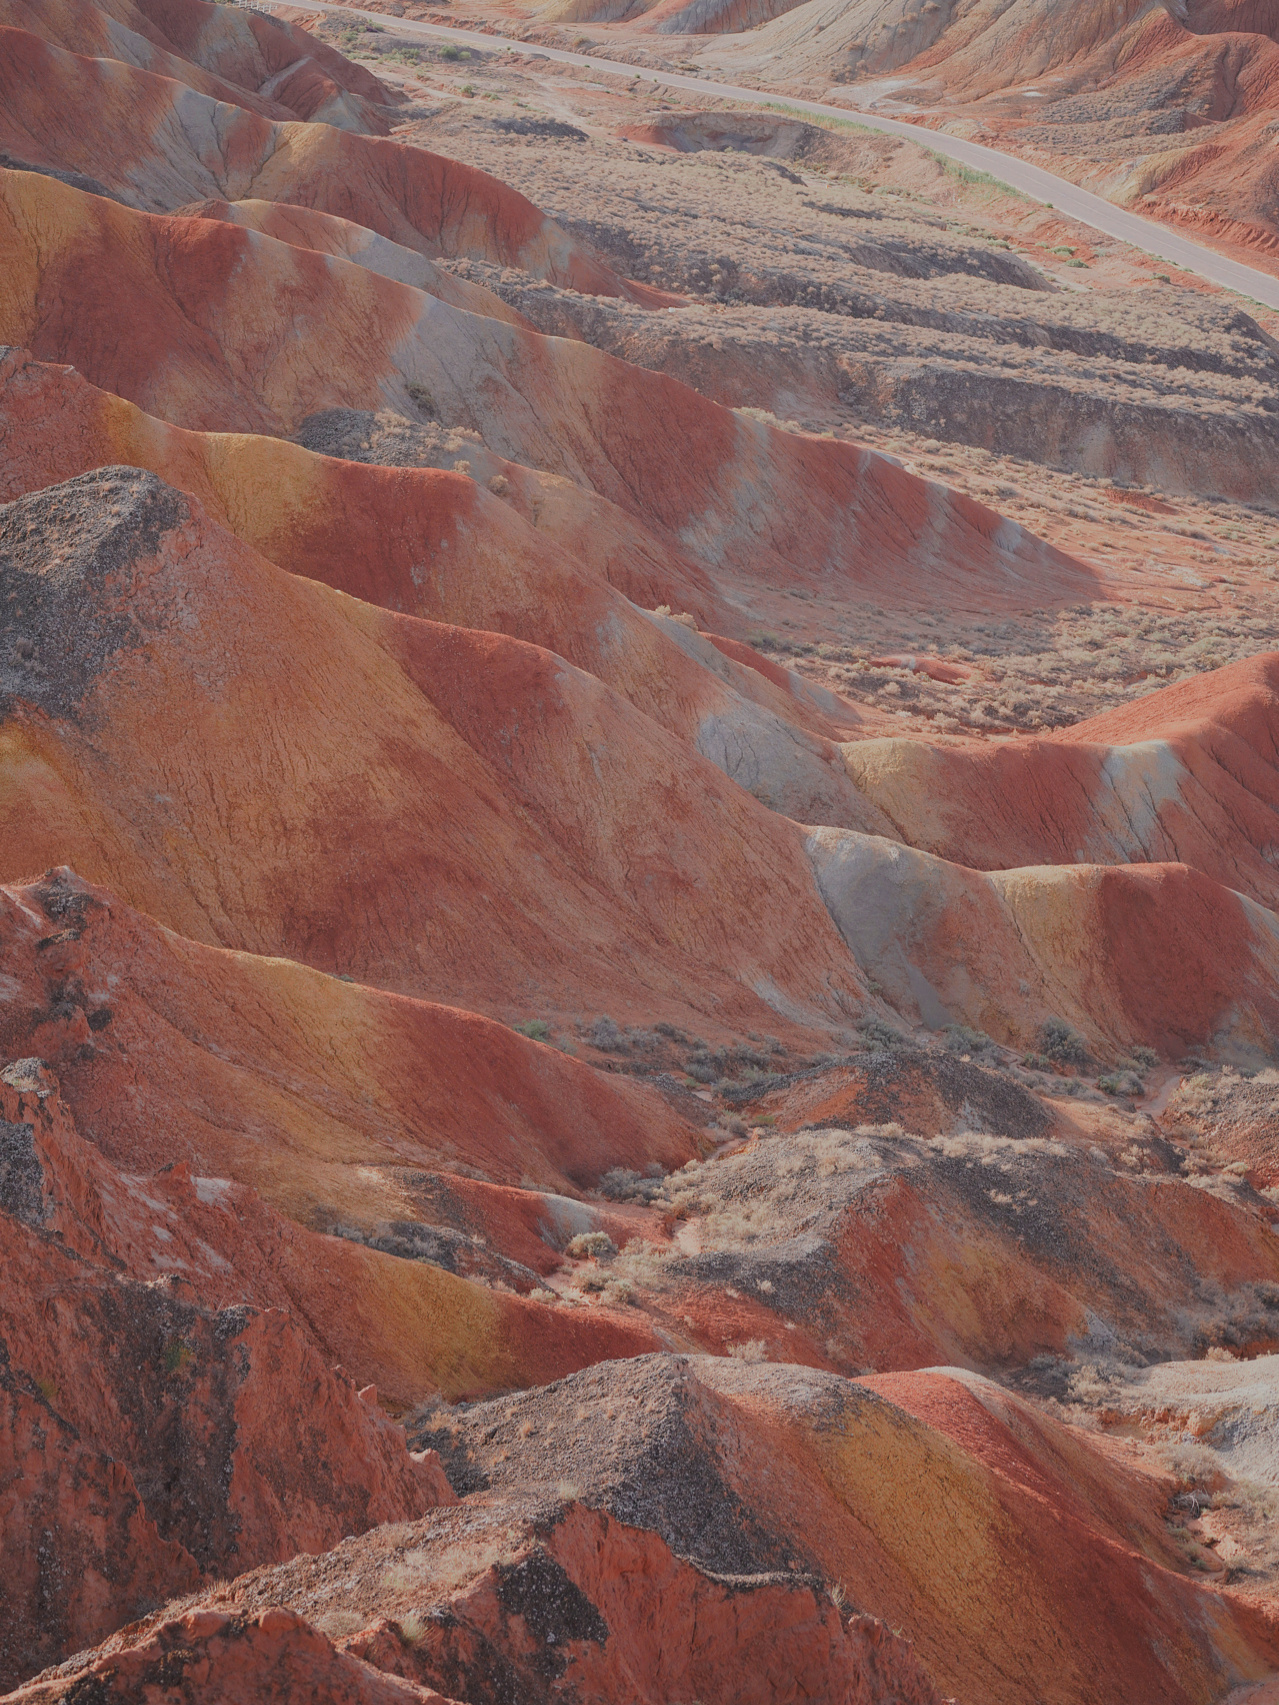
<point x="938" y="1090"/>
<point x="207" y="1656"/>
<point x="74" y="562"/>
<point x="870" y="1248"/>
<point x="736" y="1467"/>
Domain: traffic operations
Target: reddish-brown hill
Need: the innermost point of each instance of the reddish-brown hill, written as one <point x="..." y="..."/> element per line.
<point x="1188" y="774"/>
<point x="207" y="355"/>
<point x="248" y="59"/>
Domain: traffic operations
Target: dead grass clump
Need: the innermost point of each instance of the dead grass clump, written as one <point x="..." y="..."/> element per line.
<point x="753" y="1350"/>
<point x="979" y="1145"/>
<point x="591" y="1244"/>
<point x="644" y="1263"/>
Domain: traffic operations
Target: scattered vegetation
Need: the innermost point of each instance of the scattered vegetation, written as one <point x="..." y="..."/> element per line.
<point x="1121" y="1083"/>
<point x="178" y="1356"/>
<point x="591" y="1245"/>
<point x="960" y="1039"/>
<point x="606" y="1036"/>
<point x="536" y="1029"/>
<point x="876" y="1034"/>
<point x="1062" y="1042"/>
<point x="621" y="1184"/>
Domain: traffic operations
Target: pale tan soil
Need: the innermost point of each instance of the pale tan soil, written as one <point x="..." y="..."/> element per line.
<point x="1209" y="1425"/>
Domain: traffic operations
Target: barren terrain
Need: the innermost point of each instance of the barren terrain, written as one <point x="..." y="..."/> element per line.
<point x="639" y="930"/>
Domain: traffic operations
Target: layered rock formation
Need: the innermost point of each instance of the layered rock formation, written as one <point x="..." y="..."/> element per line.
<point x="546" y="1151"/>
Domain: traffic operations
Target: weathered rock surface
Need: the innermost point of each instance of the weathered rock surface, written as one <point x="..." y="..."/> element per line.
<point x="728" y="1501"/>
<point x="152" y="1439"/>
<point x="517" y="973"/>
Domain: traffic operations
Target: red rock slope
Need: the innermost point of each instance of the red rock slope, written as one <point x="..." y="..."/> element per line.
<point x="148" y="1404"/>
<point x="512" y="569"/>
<point x="1187" y="774"/>
<point x="207" y="356"/>
<point x="248" y="59"/>
<point x="471" y="878"/>
<point x="794" y="1536"/>
<point x="465" y="750"/>
<point x="156" y="144"/>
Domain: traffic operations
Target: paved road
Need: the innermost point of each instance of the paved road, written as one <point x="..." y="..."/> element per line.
<point x="1033" y="181"/>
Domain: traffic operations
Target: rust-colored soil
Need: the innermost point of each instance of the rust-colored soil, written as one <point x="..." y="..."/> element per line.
<point x="639" y="803"/>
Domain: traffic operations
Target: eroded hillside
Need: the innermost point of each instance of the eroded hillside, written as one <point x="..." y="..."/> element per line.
<point x="639" y="769"/>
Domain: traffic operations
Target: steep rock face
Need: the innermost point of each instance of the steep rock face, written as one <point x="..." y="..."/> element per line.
<point x="150" y="1438"/>
<point x="496" y="1636"/>
<point x="81" y="1554"/>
